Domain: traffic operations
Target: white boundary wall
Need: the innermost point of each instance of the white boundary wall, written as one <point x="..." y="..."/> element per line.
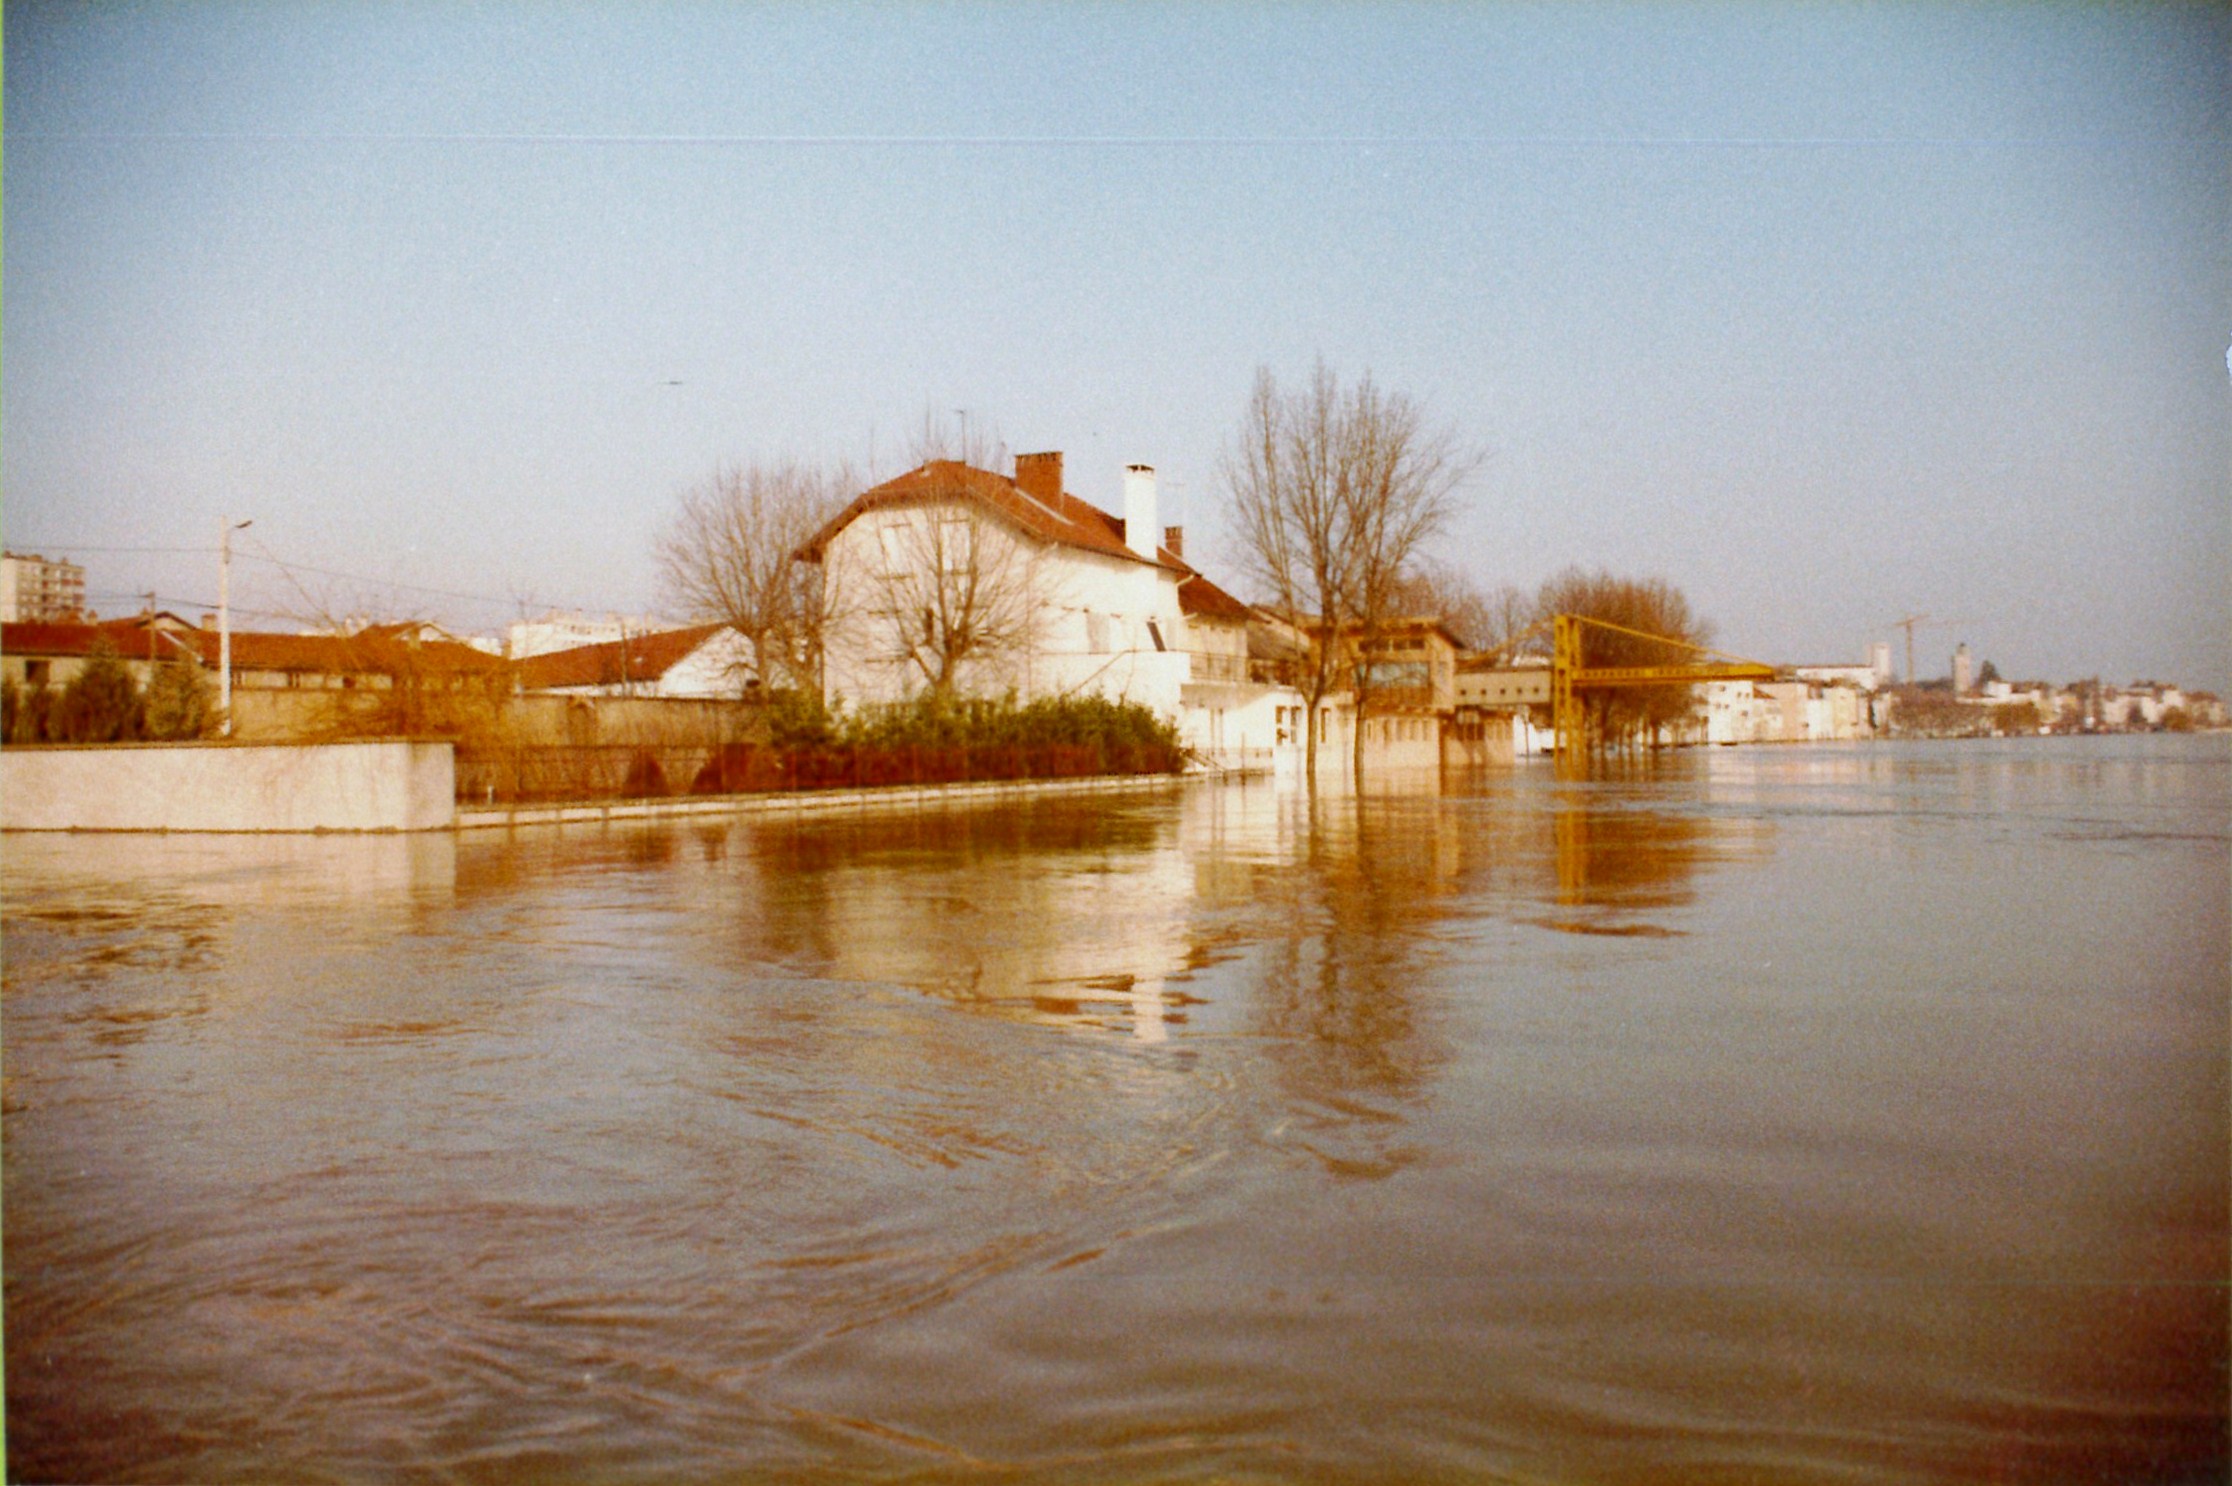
<point x="229" y="787"/>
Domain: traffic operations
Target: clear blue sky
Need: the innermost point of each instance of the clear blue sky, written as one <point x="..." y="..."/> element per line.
<point x="1827" y="313"/>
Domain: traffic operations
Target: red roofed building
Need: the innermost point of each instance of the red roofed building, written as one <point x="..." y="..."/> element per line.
<point x="372" y="659"/>
<point x="708" y="660"/>
<point x="956" y="578"/>
<point x="36" y="653"/>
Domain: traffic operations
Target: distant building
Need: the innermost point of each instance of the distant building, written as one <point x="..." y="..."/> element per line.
<point x="1798" y="711"/>
<point x="1879" y="661"/>
<point x="1865" y="677"/>
<point x="1964" y="673"/>
<point x="36" y="590"/>
<point x="570" y="631"/>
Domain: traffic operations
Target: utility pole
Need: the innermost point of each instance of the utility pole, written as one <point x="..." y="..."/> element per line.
<point x="1908" y="625"/>
<point x="225" y="528"/>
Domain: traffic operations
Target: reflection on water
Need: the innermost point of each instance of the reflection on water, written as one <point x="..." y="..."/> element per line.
<point x="1787" y="1114"/>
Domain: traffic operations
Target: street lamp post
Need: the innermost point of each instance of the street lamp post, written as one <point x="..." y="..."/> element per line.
<point x="226" y="527"/>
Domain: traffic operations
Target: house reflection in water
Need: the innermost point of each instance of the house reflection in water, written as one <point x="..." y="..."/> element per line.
<point x="1071" y="913"/>
<point x="1102" y="915"/>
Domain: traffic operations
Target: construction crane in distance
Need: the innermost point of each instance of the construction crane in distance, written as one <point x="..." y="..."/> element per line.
<point x="1908" y="625"/>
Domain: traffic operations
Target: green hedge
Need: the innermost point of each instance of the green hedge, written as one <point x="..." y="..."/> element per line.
<point x="797" y="721"/>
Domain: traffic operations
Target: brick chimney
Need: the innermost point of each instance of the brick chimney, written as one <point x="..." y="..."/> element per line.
<point x="1174" y="541"/>
<point x="1040" y="475"/>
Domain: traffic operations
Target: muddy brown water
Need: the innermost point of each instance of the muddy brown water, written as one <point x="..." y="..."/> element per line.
<point x="1758" y="1115"/>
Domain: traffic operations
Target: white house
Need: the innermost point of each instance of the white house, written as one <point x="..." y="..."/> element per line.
<point x="985" y="583"/>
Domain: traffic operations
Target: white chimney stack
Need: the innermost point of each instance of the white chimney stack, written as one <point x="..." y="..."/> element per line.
<point x="1141" y="529"/>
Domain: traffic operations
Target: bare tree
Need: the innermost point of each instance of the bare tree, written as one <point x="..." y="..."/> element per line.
<point x="729" y="556"/>
<point x="1335" y="494"/>
<point x="1435" y="588"/>
<point x="1485" y="621"/>
<point x="956" y="589"/>
<point x="1292" y="522"/>
<point x="1509" y="612"/>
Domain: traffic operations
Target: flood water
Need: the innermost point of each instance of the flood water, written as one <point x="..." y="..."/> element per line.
<point x="1807" y="1114"/>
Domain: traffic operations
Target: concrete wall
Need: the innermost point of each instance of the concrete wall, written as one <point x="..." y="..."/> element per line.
<point x="228" y="787"/>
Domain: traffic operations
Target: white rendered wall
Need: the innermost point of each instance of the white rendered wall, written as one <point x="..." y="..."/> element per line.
<point x="1072" y="586"/>
<point x="229" y="787"/>
<point x="717" y="668"/>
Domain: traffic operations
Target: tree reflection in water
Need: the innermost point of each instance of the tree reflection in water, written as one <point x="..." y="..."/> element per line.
<point x="1337" y="989"/>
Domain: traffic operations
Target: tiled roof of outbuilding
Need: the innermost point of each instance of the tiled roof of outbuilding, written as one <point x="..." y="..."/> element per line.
<point x="128" y="636"/>
<point x="644" y="657"/>
<point x="339" y="655"/>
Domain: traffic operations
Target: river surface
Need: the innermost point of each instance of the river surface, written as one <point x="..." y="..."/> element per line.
<point x="1760" y="1115"/>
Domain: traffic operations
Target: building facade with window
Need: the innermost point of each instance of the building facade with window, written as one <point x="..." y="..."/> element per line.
<point x="36" y="590"/>
<point x="956" y="578"/>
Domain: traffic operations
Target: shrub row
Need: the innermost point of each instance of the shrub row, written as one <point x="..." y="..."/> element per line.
<point x="796" y="721"/>
<point x="741" y="768"/>
<point x="103" y="704"/>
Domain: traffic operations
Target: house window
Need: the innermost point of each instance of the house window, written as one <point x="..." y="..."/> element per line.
<point x="1154" y="633"/>
<point x="35" y="672"/>
<point x="1097" y="638"/>
<point x="956" y="545"/>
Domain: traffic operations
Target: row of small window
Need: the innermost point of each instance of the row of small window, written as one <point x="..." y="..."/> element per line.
<point x="1405" y="729"/>
<point x="1389" y="729"/>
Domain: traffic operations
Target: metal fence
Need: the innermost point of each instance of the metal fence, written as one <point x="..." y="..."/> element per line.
<point x="552" y="773"/>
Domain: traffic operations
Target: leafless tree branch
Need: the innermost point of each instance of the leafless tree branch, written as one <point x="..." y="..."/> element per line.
<point x="728" y="556"/>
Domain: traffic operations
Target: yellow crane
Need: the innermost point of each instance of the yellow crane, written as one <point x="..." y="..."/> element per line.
<point x="1570" y="678"/>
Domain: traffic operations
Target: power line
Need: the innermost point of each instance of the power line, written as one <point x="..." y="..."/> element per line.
<point x="265" y="554"/>
<point x="1133" y="141"/>
<point x="75" y="547"/>
<point x="176" y="601"/>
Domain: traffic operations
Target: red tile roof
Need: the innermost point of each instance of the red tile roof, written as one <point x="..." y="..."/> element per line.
<point x="128" y="637"/>
<point x="644" y="657"/>
<point x="1061" y="518"/>
<point x="369" y="651"/>
<point x="1202" y="599"/>
<point x="342" y="655"/>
